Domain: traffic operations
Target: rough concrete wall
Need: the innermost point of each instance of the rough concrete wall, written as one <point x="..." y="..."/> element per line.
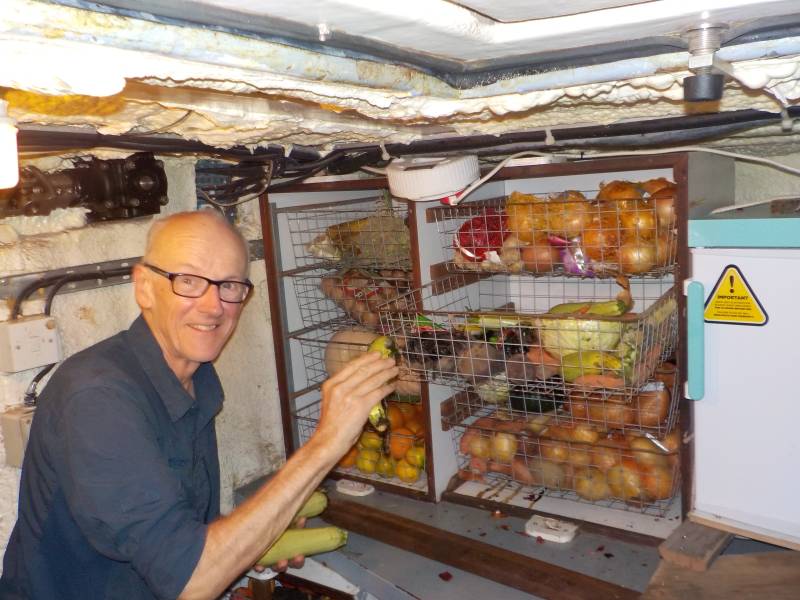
<point x="249" y="427"/>
<point x="757" y="182"/>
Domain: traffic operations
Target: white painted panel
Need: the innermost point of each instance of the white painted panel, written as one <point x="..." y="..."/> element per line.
<point x="747" y="449"/>
<point x="529" y="10"/>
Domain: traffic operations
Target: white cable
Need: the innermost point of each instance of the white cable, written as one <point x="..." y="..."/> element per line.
<point x="742" y="157"/>
<point x="479" y="182"/>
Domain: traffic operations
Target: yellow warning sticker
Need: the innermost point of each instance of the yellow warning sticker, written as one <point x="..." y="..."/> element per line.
<point x="733" y="301"/>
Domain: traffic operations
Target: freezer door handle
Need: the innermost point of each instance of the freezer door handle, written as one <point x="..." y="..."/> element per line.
<point x="695" y="340"/>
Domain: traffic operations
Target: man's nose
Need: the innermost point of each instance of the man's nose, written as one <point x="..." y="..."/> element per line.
<point x="210" y="301"/>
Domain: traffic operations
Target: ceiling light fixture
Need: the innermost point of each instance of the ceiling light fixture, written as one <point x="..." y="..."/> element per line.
<point x="9" y="162"/>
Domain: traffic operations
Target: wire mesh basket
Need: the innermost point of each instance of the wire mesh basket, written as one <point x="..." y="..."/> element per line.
<point x="576" y="462"/>
<point x="359" y="233"/>
<point x="653" y="410"/>
<point x="350" y="294"/>
<point x="549" y="336"/>
<point x="326" y="350"/>
<point x="620" y="228"/>
<point x="375" y="458"/>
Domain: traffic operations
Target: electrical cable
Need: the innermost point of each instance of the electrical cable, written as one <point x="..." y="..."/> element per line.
<point x="55" y="282"/>
<point x="743" y="157"/>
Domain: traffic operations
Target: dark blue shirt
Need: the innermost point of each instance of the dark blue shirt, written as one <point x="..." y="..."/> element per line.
<point x="120" y="478"/>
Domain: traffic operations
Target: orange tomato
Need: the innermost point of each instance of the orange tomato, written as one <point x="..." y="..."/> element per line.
<point x="406" y="472"/>
<point x="416" y="457"/>
<point x="400" y="441"/>
<point x="407" y="408"/>
<point x="414" y="426"/>
<point x="395" y="416"/>
<point x="349" y="459"/>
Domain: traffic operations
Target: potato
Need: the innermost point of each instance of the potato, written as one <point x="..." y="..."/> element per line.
<point x="478" y="360"/>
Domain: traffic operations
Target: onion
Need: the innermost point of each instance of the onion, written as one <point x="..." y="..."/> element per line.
<point x="520" y="471"/>
<point x="651" y="186"/>
<point x="480" y="446"/>
<point x="619" y="190"/>
<point x="666" y="249"/>
<point x="569" y="214"/>
<point x="550" y="474"/>
<point x="664" y="201"/>
<point x="539" y="257"/>
<point x="625" y="480"/>
<point x="646" y="453"/>
<point x="504" y="446"/>
<point x="580" y="455"/>
<point x="591" y="484"/>
<point x="657" y="482"/>
<point x="555" y="451"/>
<point x="638" y="221"/>
<point x="600" y="239"/>
<point x="585" y="433"/>
<point x="526" y="214"/>
<point x="605" y="457"/>
<point x="637" y="257"/>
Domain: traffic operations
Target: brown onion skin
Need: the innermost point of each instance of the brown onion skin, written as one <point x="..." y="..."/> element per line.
<point x="637" y="257"/>
<point x="664" y="202"/>
<point x="638" y="221"/>
<point x="540" y="257"/>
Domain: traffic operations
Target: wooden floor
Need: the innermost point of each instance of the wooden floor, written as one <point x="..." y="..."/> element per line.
<point x="760" y="576"/>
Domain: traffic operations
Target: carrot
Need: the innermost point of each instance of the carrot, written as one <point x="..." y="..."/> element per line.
<point x="599" y="381"/>
<point x="547" y="365"/>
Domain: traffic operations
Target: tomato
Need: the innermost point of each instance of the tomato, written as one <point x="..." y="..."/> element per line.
<point x="385" y="466"/>
<point x="400" y="440"/>
<point x="416" y="457"/>
<point x="406" y="472"/>
<point x="370" y="440"/>
<point x="367" y="460"/>
<point x="349" y="459"/>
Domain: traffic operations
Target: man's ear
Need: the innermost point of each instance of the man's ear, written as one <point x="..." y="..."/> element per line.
<point x="143" y="287"/>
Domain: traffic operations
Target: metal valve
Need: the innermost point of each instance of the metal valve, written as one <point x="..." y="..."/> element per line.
<point x="709" y="70"/>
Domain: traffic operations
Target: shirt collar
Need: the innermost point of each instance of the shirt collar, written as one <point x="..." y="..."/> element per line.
<point x="207" y="387"/>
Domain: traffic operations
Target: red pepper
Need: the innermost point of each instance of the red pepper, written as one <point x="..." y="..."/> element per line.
<point x="482" y="234"/>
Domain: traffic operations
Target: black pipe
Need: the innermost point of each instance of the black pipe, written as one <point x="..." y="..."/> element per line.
<point x="666" y="124"/>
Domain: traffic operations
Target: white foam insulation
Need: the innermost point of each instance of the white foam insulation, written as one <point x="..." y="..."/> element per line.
<point x="223" y="88"/>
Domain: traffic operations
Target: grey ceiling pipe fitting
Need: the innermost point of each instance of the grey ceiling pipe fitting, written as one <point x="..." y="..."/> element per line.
<point x="709" y="71"/>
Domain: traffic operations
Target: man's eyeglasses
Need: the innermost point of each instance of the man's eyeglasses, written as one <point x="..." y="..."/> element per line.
<point x="194" y="286"/>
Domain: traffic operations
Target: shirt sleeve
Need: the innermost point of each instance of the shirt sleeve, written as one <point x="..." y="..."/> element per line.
<point x="123" y="494"/>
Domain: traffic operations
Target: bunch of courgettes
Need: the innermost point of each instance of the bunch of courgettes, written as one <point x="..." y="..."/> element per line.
<point x="307" y="540"/>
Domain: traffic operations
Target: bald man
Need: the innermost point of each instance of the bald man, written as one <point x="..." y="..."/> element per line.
<point x="119" y="497"/>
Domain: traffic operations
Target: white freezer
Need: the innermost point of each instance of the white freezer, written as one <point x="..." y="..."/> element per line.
<point x="746" y="444"/>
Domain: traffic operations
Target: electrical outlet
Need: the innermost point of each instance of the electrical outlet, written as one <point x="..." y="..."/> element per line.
<point x="16" y="426"/>
<point x="28" y="342"/>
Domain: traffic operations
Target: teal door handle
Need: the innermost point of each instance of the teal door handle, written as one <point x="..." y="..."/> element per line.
<point x="695" y="340"/>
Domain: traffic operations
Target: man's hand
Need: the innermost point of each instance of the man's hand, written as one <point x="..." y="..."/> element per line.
<point x="348" y="396"/>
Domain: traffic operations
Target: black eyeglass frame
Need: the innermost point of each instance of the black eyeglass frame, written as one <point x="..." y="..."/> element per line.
<point x="171" y="276"/>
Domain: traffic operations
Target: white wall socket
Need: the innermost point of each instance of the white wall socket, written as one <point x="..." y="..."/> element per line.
<point x="16" y="426"/>
<point x="28" y="342"/>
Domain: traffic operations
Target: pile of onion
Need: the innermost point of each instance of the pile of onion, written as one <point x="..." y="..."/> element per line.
<point x="526" y="215"/>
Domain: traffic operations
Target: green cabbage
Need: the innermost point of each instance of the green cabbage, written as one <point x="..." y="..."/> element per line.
<point x="565" y="336"/>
